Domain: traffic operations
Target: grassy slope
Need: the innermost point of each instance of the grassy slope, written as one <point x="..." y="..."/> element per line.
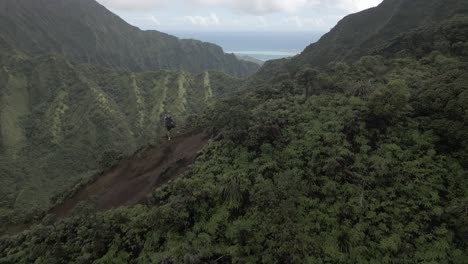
<point x="60" y="118"/>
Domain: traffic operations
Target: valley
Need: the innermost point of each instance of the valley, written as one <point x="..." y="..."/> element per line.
<point x="353" y="151"/>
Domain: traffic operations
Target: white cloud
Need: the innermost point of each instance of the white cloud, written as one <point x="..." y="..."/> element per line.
<point x="145" y="19"/>
<point x="210" y="20"/>
<point x="353" y="5"/>
<point x="308" y="22"/>
<point x="154" y="20"/>
<point x="254" y="7"/>
<point x="262" y="21"/>
<point x="257" y="7"/>
<point x="295" y="20"/>
<point x="236" y="14"/>
<point x="135" y="5"/>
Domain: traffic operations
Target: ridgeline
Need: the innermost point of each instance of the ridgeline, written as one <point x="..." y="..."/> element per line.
<point x="354" y="151"/>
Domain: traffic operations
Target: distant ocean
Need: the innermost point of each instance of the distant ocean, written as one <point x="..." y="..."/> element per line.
<point x="260" y="45"/>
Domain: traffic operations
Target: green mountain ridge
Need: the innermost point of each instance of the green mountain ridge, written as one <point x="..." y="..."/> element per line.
<point x="370" y="31"/>
<point x="86" y="32"/>
<point x="362" y="159"/>
<point x="395" y="28"/>
<point x="62" y="118"/>
<point x="251" y="59"/>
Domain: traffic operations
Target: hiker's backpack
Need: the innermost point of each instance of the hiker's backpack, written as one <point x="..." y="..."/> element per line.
<point x="169" y="122"/>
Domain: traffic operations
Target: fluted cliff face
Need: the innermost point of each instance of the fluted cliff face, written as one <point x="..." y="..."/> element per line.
<point x="60" y="118"/>
<point x="86" y="32"/>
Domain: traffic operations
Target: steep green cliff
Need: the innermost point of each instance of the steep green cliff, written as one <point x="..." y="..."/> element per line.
<point x="370" y="31"/>
<point x="86" y="32"/>
<point x="395" y="28"/>
<point x="58" y="119"/>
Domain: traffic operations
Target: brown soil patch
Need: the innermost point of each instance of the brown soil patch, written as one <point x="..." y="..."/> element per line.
<point x="134" y="178"/>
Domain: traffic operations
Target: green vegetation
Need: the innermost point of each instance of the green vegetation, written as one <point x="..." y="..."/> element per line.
<point x="92" y="34"/>
<point x="251" y="59"/>
<point x="359" y="173"/>
<point x="376" y="30"/>
<point x="363" y="161"/>
<point x="59" y="122"/>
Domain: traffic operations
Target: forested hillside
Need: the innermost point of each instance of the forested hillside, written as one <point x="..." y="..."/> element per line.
<point x="59" y="120"/>
<point x="361" y="160"/>
<point x="86" y="32"/>
<point x="374" y="30"/>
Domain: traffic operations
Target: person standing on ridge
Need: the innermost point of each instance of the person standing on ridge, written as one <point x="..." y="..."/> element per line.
<point x="170" y="124"/>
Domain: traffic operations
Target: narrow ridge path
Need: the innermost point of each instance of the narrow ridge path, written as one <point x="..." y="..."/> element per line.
<point x="129" y="182"/>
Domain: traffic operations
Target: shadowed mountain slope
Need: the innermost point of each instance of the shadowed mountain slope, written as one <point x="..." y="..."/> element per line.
<point x="395" y="28"/>
<point x="86" y="32"/>
<point x="64" y="120"/>
<point x="370" y="31"/>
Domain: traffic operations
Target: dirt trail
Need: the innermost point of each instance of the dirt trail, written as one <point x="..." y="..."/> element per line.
<point x="134" y="178"/>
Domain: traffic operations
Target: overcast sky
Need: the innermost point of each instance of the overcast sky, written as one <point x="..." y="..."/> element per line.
<point x="236" y="15"/>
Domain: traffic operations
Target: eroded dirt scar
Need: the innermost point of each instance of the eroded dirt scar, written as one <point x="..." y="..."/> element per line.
<point x="134" y="178"/>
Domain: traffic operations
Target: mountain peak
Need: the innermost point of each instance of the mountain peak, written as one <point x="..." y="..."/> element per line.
<point x="366" y="32"/>
<point x="86" y="32"/>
